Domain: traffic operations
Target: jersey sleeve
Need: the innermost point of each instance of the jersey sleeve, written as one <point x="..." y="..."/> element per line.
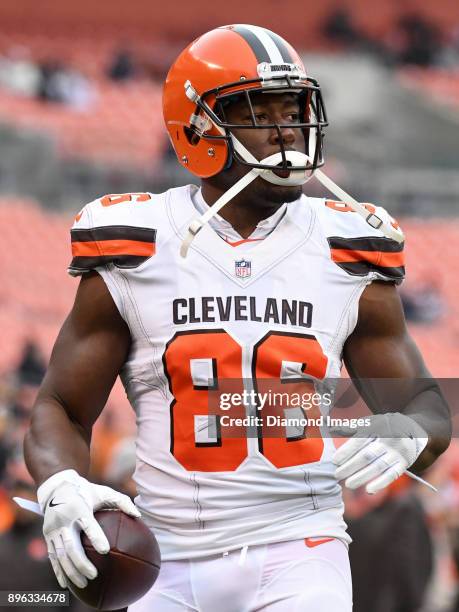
<point x="360" y="249"/>
<point x="115" y="230"/>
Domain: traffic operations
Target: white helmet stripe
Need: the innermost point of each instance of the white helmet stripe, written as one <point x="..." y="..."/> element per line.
<point x="275" y="56"/>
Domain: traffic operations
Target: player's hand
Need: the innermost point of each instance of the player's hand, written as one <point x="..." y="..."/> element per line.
<point x="68" y="503"/>
<point x="378" y="454"/>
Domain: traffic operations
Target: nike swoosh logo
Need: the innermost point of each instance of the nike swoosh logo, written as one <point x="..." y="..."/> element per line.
<point x="311" y="542"/>
<point x="51" y="505"/>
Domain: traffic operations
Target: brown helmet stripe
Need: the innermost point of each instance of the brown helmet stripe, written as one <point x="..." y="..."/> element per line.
<point x="254" y="42"/>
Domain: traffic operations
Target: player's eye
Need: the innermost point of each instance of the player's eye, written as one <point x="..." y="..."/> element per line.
<point x="261" y="118"/>
<point x="293" y="117"/>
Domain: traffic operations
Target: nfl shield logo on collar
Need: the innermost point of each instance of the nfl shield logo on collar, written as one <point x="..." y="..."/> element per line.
<point x="243" y="268"/>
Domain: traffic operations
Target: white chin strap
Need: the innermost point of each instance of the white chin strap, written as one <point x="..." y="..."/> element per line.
<point x="296" y="177"/>
<point x="295" y="159"/>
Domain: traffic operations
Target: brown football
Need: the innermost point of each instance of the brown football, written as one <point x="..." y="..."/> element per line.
<point x="128" y="570"/>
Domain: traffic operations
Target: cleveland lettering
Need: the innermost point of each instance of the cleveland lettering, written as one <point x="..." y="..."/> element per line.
<point x="241" y="308"/>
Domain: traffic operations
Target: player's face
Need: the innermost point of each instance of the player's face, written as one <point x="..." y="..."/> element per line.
<point x="268" y="108"/>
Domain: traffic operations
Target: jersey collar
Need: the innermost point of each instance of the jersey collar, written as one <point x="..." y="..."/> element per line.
<point x="226" y="231"/>
<point x="282" y="241"/>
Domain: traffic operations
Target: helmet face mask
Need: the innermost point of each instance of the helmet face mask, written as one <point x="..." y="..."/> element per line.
<point x="238" y="62"/>
<point x="312" y="110"/>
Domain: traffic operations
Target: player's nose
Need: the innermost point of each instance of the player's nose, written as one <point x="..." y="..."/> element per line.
<point x="287" y="135"/>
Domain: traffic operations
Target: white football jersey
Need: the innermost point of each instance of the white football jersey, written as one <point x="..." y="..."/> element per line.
<point x="278" y="313"/>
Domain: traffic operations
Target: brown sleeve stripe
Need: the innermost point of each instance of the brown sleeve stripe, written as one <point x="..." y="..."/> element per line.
<point x="362" y="268"/>
<point x="359" y="256"/>
<point x="85" y="264"/>
<point x="366" y="243"/>
<point x="124" y="246"/>
<point x="114" y="232"/>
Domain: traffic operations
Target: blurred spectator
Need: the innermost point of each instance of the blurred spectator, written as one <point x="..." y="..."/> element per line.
<point x="22" y="403"/>
<point x="391" y="553"/>
<point x="32" y="367"/>
<point x="339" y="27"/>
<point x="75" y="90"/>
<point x="448" y="56"/>
<point x="415" y="40"/>
<point x="4" y="447"/>
<point x="63" y="85"/>
<point x="423" y="304"/>
<point x="443" y="516"/>
<point x="47" y="90"/>
<point x="18" y="73"/>
<point x="122" y="66"/>
<point x="16" y="421"/>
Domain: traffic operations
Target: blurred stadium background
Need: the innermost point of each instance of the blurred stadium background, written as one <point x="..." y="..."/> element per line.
<point x="80" y="116"/>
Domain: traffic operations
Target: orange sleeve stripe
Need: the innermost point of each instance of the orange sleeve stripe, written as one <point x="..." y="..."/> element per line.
<point x="113" y="247"/>
<point x="379" y="258"/>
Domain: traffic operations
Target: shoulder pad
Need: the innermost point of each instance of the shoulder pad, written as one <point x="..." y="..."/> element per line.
<point x="112" y="229"/>
<point x="357" y="247"/>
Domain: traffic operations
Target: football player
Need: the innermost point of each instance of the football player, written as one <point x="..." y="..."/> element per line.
<point x="279" y="287"/>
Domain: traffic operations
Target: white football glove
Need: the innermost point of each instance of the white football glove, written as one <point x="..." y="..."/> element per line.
<point x="68" y="503"/>
<point x="378" y="454"/>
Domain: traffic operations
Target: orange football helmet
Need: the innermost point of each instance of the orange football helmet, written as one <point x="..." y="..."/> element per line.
<point x="237" y="59"/>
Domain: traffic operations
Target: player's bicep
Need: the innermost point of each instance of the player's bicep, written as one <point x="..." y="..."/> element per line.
<point x="380" y="345"/>
<point x="381" y="348"/>
<point x="88" y="354"/>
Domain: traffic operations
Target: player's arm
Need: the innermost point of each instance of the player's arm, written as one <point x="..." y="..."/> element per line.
<point x="88" y="354"/>
<point x="416" y="417"/>
<point x="91" y="348"/>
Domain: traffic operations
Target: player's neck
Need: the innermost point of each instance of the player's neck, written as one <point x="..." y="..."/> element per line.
<point x="243" y="215"/>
